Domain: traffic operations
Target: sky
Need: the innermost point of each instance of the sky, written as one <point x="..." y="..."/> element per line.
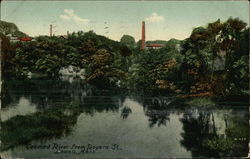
<point x="164" y="19"/>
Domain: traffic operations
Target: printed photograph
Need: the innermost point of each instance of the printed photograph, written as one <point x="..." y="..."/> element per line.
<point x="124" y="79"/>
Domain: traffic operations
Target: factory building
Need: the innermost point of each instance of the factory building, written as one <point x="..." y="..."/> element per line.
<point x="143" y="40"/>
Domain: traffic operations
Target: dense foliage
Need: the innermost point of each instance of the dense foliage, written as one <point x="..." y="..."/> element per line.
<point x="212" y="61"/>
<point x="155" y="68"/>
<point x="47" y="55"/>
<point x="216" y="58"/>
<point x="128" y="40"/>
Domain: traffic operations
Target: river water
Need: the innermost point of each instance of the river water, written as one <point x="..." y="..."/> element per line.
<point x="71" y="119"/>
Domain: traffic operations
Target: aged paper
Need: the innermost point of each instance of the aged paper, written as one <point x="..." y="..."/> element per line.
<point x="124" y="79"/>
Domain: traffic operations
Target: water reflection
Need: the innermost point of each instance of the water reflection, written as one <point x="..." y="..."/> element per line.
<point x="44" y="93"/>
<point x="157" y="109"/>
<point x="22" y="107"/>
<point x="125" y="112"/>
<point x="93" y="104"/>
<point x="39" y="111"/>
<point x="43" y="125"/>
<point x="214" y="133"/>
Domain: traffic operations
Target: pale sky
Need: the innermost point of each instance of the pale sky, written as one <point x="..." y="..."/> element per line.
<point x="164" y="19"/>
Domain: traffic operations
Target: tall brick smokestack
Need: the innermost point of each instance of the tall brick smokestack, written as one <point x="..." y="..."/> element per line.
<point x="143" y="36"/>
<point x="50" y="30"/>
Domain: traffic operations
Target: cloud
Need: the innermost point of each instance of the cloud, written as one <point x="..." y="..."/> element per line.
<point x="65" y="17"/>
<point x="80" y="20"/>
<point x="70" y="15"/>
<point x="70" y="12"/>
<point x="155" y="18"/>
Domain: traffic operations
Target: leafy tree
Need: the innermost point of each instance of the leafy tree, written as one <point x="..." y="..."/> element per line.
<point x="102" y="72"/>
<point x="205" y="44"/>
<point x="128" y="40"/>
<point x="150" y="66"/>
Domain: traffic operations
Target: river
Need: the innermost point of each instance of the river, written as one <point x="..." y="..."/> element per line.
<point x="70" y="119"/>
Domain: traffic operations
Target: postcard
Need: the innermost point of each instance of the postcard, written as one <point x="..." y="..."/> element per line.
<point x="124" y="79"/>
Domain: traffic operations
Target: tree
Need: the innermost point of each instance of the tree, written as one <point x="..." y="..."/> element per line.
<point x="232" y="40"/>
<point x="128" y="40"/>
<point x="102" y="71"/>
<point x="217" y="40"/>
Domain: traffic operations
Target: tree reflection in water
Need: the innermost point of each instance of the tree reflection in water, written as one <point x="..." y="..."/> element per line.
<point x="157" y="110"/>
<point x="54" y="122"/>
<point x="201" y="135"/>
<point x="44" y="93"/>
<point x="93" y="104"/>
<point x="125" y="112"/>
<point x="61" y="102"/>
<point x="43" y="125"/>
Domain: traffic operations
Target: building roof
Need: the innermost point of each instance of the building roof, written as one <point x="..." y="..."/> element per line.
<point x="25" y="39"/>
<point x="155" y="45"/>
